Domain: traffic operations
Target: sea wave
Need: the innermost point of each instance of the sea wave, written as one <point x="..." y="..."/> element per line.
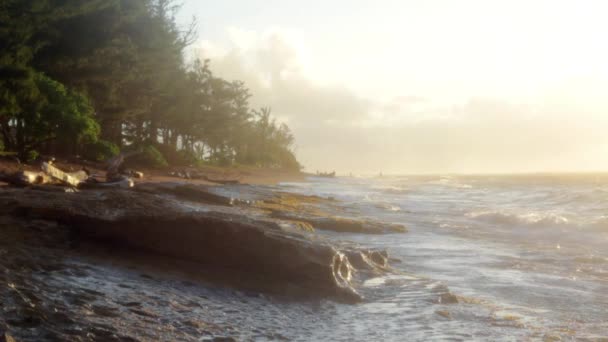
<point x="387" y="206"/>
<point x="541" y="219"/>
<point x="394" y="190"/>
<point x="450" y="183"/>
<point x="520" y="219"/>
<point x="601" y="224"/>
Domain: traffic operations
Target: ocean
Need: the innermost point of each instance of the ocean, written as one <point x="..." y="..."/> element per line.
<point x="485" y="258"/>
<point x="525" y="256"/>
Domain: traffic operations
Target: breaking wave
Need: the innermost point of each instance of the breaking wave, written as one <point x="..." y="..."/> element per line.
<point x="394" y="190"/>
<point x="523" y="219"/>
<point x="539" y="219"/>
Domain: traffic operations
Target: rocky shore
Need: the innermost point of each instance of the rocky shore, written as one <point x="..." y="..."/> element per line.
<point x="70" y="261"/>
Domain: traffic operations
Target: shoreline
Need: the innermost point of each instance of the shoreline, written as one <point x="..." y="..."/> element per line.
<point x="244" y="174"/>
<point x="264" y="243"/>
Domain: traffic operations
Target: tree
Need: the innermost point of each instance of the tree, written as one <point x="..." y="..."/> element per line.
<point x="50" y="118"/>
<point x="72" y="71"/>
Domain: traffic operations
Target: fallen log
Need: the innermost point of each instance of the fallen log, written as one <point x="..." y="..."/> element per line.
<point x="25" y="178"/>
<point x="71" y="179"/>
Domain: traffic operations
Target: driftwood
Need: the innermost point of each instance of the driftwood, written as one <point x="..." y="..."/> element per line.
<point x="114" y="165"/>
<point x="72" y="179"/>
<point x="24" y="178"/>
<point x="51" y="175"/>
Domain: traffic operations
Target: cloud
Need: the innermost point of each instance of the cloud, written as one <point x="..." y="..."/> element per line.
<point x="336" y="128"/>
<point x="273" y="65"/>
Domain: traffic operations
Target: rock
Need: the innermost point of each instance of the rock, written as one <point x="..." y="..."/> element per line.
<point x="317" y="212"/>
<point x="447" y="298"/>
<point x="221" y="181"/>
<point x="298" y="225"/>
<point x="370" y="260"/>
<point x="189" y="192"/>
<point x="120" y="182"/>
<point x="223" y="339"/>
<point x="444" y="314"/>
<point x="261" y="254"/>
<point x="341" y="224"/>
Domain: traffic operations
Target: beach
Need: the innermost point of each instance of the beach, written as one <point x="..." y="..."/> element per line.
<point x="346" y="259"/>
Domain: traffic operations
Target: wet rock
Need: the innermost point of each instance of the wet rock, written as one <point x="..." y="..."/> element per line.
<point x="105" y="311"/>
<point x="356" y="226"/>
<point x="189" y="192"/>
<point x="317" y="212"/>
<point x="144" y="312"/>
<point x="261" y="254"/>
<point x="372" y="260"/>
<point x="116" y="182"/>
<point x="342" y="225"/>
<point x="297" y="225"/>
<point x="223" y="339"/>
<point x="444" y="314"/>
<point x="447" y="298"/>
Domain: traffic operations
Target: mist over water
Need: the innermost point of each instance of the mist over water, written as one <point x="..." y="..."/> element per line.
<point x="527" y="257"/>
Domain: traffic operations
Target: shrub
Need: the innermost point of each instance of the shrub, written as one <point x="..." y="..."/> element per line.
<point x="154" y="157"/>
<point x="179" y="158"/>
<point x="32" y="156"/>
<point x="186" y="157"/>
<point x="150" y="156"/>
<point x="100" y="150"/>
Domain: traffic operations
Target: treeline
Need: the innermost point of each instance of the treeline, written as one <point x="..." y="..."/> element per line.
<point x="92" y="77"/>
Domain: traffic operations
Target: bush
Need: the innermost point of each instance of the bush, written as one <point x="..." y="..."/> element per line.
<point x="32" y="156"/>
<point x="187" y="158"/>
<point x="179" y="158"/>
<point x="100" y="150"/>
<point x="150" y="156"/>
<point x="154" y="157"/>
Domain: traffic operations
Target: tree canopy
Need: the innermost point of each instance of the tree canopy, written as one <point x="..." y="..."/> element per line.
<point x="80" y="77"/>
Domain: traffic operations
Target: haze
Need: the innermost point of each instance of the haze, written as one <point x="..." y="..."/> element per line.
<point x="421" y="86"/>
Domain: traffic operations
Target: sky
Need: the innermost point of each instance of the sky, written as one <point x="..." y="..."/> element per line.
<point x="433" y="86"/>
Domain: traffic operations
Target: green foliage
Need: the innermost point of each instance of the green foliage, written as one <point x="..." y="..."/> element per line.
<point x="74" y="71"/>
<point x="100" y="150"/>
<point x="180" y="157"/>
<point x="32" y="156"/>
<point x="150" y="156"/>
<point x="64" y="115"/>
<point x="42" y="114"/>
<point x="153" y="156"/>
